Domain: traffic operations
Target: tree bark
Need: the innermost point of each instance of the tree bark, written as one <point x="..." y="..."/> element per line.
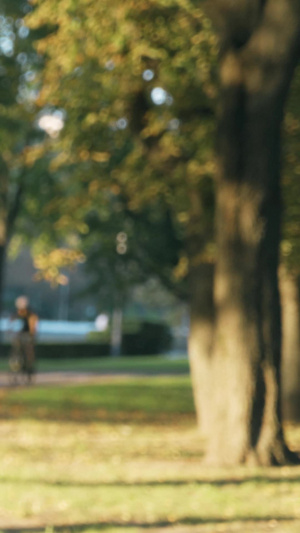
<point x="201" y="272"/>
<point x="200" y="341"/>
<point x="255" y="72"/>
<point x="289" y="289"/>
<point x="2" y="265"/>
<point x="4" y="181"/>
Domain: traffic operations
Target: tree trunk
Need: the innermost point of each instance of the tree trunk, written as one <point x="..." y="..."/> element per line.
<point x="290" y="346"/>
<point x="200" y="341"/>
<point x="116" y="332"/>
<point x="255" y="72"/>
<point x="2" y="265"/>
<point x="201" y="272"/>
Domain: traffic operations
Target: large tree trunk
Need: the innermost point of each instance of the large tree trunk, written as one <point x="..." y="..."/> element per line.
<point x="289" y="289"/>
<point x="255" y="73"/>
<point x="200" y="340"/>
<point x="201" y="271"/>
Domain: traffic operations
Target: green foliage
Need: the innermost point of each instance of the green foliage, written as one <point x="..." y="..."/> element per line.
<point x="125" y="248"/>
<point x="71" y="351"/>
<point x="104" y="64"/>
<point x="151" y="338"/>
<point x="18" y="134"/>
<point x="124" y="161"/>
<point x="140" y="337"/>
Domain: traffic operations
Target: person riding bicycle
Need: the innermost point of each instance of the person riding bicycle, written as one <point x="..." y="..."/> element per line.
<point x="25" y="338"/>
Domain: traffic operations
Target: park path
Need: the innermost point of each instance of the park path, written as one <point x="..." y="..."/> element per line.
<point x="72" y="377"/>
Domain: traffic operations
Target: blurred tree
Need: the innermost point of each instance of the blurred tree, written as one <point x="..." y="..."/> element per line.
<point x="255" y="73"/>
<point x="135" y="245"/>
<point x="129" y="129"/>
<point x="26" y="185"/>
<point x="17" y="131"/>
<point x="138" y="84"/>
<point x="290" y="255"/>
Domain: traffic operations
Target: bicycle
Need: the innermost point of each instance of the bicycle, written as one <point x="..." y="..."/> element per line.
<point x="21" y="360"/>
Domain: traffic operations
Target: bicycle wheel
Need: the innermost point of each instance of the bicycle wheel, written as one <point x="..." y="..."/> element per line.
<point x="15" y="363"/>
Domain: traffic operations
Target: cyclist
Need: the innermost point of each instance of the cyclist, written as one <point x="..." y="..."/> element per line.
<point x="23" y="343"/>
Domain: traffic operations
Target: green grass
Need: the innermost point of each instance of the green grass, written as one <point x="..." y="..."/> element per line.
<point x="124" y="455"/>
<point x="136" y="399"/>
<point x="142" y="364"/>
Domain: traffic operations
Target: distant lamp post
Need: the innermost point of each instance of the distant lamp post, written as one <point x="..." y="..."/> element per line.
<point x="117" y="314"/>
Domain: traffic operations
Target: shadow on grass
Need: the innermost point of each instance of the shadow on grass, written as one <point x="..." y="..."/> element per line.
<point x="145" y="484"/>
<point x="78" y="416"/>
<point x="187" y="521"/>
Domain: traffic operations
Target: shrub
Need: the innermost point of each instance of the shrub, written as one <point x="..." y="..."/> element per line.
<point x="144" y="338"/>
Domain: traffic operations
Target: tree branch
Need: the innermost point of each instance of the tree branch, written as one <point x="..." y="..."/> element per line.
<point x="14" y="209"/>
<point x="235" y="20"/>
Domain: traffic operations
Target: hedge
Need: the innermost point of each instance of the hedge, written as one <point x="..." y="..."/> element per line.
<point x="150" y="339"/>
<point x="65" y="350"/>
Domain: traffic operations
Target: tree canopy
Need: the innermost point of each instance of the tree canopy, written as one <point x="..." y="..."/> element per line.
<point x="129" y="127"/>
<point x="137" y="86"/>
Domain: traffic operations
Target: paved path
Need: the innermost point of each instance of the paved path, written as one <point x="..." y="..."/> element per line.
<point x="70" y="377"/>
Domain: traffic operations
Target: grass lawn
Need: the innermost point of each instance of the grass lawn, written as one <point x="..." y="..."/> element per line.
<point x="125" y="456"/>
<point x="146" y="364"/>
